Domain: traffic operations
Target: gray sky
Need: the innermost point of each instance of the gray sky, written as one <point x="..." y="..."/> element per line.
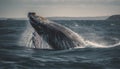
<point x="68" y="8"/>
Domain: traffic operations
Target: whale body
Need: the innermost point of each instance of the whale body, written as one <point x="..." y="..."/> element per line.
<point x="56" y="35"/>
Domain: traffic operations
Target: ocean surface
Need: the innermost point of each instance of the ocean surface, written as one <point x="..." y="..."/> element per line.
<point x="101" y="52"/>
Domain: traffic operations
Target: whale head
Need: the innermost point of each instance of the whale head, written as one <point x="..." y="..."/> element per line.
<point x="34" y="19"/>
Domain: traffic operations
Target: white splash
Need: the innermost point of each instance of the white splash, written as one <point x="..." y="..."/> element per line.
<point x="26" y="36"/>
<point x="98" y="45"/>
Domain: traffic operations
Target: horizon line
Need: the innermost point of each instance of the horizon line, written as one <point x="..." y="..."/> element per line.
<point x="64" y="16"/>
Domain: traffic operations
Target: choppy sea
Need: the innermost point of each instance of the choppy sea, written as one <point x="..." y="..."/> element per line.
<point x="102" y="51"/>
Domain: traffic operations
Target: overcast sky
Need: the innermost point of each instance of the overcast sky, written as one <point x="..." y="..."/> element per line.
<point x="68" y="8"/>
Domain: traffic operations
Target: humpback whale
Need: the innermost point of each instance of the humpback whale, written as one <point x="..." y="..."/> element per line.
<point x="56" y="35"/>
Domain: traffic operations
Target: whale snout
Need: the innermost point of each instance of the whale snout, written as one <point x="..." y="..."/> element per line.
<point x="34" y="19"/>
<point x="31" y="14"/>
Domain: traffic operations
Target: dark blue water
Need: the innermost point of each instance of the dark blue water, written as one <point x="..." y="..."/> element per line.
<point x="102" y="51"/>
